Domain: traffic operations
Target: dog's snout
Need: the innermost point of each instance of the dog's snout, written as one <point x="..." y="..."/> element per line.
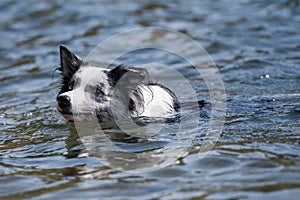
<point x="64" y="103"/>
<point x="64" y="106"/>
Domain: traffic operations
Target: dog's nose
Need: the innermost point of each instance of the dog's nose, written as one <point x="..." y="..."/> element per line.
<point x="63" y="101"/>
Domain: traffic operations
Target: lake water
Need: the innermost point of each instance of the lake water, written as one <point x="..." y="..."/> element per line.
<point x="256" y="47"/>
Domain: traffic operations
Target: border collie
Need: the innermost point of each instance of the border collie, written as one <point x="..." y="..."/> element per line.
<point x="129" y="92"/>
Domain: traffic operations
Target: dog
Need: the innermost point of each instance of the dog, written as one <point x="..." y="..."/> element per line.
<point x="113" y="94"/>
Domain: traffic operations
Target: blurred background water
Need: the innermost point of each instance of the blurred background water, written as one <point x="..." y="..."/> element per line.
<point x="256" y="46"/>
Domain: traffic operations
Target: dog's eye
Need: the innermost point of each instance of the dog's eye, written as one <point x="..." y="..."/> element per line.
<point x="71" y="85"/>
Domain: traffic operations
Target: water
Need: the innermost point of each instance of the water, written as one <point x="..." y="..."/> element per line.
<point x="256" y="47"/>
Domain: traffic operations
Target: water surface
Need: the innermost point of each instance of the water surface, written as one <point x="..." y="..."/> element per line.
<point x="256" y="47"/>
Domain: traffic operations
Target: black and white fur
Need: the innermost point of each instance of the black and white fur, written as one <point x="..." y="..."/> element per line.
<point x="126" y="90"/>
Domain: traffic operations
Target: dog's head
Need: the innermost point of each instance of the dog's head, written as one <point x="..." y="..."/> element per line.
<point x="87" y="88"/>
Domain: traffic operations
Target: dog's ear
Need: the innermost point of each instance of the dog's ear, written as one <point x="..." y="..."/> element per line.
<point x="69" y="61"/>
<point x="131" y="77"/>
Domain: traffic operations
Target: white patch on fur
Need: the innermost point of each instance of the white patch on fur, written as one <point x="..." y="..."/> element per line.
<point x="90" y="75"/>
<point x="157" y="102"/>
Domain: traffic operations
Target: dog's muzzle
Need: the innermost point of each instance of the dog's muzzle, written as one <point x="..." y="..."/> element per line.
<point x="64" y="106"/>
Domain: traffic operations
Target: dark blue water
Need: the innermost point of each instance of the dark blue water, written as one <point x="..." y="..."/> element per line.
<point x="255" y="45"/>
